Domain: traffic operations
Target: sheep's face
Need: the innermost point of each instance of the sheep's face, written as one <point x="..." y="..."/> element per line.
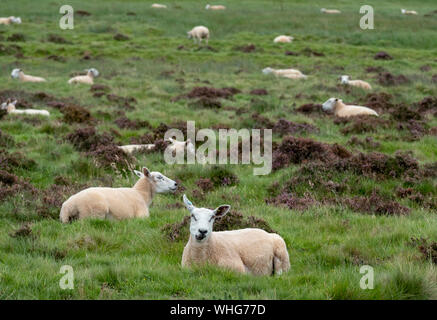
<point x="15" y="73"/>
<point x="267" y="70"/>
<point x="344" y="79"/>
<point x="93" y="72"/>
<point x="161" y="183"/>
<point x="207" y="7"/>
<point x="189" y="35"/>
<point x="329" y="104"/>
<point x="322" y="10"/>
<point x="179" y="146"/>
<point x="202" y="219"/>
<point x="16" y="20"/>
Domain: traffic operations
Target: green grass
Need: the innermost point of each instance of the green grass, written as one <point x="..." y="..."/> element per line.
<point x="133" y="259"/>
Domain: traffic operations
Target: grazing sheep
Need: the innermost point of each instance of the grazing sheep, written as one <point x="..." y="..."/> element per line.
<point x="216" y="7"/>
<point x="198" y="33"/>
<point x="330" y="11"/>
<point x="252" y="251"/>
<point x="283" y="39"/>
<point x="286" y="73"/>
<point x="356" y="83"/>
<point x="159" y="6"/>
<point x="10" y="20"/>
<point x="9" y="106"/>
<point x="117" y="203"/>
<point x="87" y="79"/>
<point x="410" y="12"/>
<point x="345" y="111"/>
<point x="130" y="148"/>
<point x="19" y="74"/>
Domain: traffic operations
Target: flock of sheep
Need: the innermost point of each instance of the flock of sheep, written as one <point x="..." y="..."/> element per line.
<point x="251" y="251"/>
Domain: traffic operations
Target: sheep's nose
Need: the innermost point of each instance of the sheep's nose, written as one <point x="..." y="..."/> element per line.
<point x="203" y="231"/>
<point x="175" y="184"/>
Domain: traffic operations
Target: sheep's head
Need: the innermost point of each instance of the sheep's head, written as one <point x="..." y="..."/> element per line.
<point x="16" y="20"/>
<point x="329" y="105"/>
<point x="189" y="35"/>
<point x="202" y="219"/>
<point x="207" y="7"/>
<point x="15" y="73"/>
<point x="344" y="79"/>
<point x="267" y="70"/>
<point x="322" y="10"/>
<point x="93" y="72"/>
<point x="403" y="10"/>
<point x="161" y="183"/>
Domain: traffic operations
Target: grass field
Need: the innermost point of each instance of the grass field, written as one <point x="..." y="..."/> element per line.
<point x="330" y="230"/>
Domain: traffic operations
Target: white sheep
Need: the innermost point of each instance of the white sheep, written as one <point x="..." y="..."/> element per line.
<point x="252" y="251"/>
<point x="215" y="7"/>
<point x="356" y="83"/>
<point x="198" y="34"/>
<point x="286" y="73"/>
<point x="19" y="74"/>
<point x="10" y="20"/>
<point x="283" y="39"/>
<point x="330" y="11"/>
<point x="130" y="148"/>
<point x="117" y="203"/>
<point x="410" y="12"/>
<point x="9" y="106"/>
<point x="87" y="79"/>
<point x="159" y="6"/>
<point x="345" y="111"/>
<point x="179" y="146"/>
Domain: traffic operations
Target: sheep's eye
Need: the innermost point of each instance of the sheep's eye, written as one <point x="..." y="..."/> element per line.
<point x="192" y="216"/>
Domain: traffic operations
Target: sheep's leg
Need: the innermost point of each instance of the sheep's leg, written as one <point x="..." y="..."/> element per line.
<point x="281" y="260"/>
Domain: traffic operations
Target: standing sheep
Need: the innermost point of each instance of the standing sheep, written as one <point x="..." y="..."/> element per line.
<point x="330" y="11"/>
<point x="356" y="83"/>
<point x="283" y="39"/>
<point x="345" y="111"/>
<point x="286" y="73"/>
<point x="215" y="7"/>
<point x="10" y="20"/>
<point x="252" y="251"/>
<point x="117" y="203"/>
<point x="87" y="79"/>
<point x="409" y="12"/>
<point x="10" y="108"/>
<point x="198" y="33"/>
<point x="19" y="74"/>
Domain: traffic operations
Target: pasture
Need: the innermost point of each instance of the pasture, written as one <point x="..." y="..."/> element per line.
<point x="342" y="193"/>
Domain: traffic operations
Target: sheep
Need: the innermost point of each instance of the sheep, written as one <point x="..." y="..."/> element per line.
<point x="286" y="73"/>
<point x="251" y="251"/>
<point x="179" y="146"/>
<point x="117" y="203"/>
<point x="283" y="39"/>
<point x="159" y="6"/>
<point x="410" y="12"/>
<point x="330" y="11"/>
<point x="10" y="20"/>
<point x="130" y="148"/>
<point x="198" y="33"/>
<point x="19" y="74"/>
<point x="9" y="106"/>
<point x="87" y="79"/>
<point x="215" y="7"/>
<point x="356" y="83"/>
<point x="345" y="111"/>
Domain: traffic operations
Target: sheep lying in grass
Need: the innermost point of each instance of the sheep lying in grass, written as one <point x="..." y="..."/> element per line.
<point x="179" y="146"/>
<point x="159" y="6"/>
<point x="253" y="251"/>
<point x="198" y="34"/>
<point x="117" y="203"/>
<point x="215" y="7"/>
<point x="9" y="106"/>
<point x="130" y="148"/>
<point x="330" y="11"/>
<point x="87" y="79"/>
<point x="19" y="74"/>
<point x="10" y="20"/>
<point x="283" y="39"/>
<point x="345" y="111"/>
<point x="356" y="83"/>
<point x="286" y="73"/>
<point x="409" y="12"/>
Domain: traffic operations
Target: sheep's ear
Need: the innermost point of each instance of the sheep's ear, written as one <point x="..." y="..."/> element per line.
<point x="14" y="102"/>
<point x="188" y="203"/>
<point x="146" y="172"/>
<point x="336" y="99"/>
<point x="222" y="210"/>
<point x="139" y="173"/>
<point x="187" y="142"/>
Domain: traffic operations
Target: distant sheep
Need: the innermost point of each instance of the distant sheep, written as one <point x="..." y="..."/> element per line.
<point x="198" y="34"/>
<point x="159" y="6"/>
<point x="117" y="203"/>
<point x="180" y="146"/>
<point x="130" y="148"/>
<point x="19" y="74"/>
<point x="345" y="111"/>
<point x="356" y="83"/>
<point x="252" y="251"/>
<point x="283" y="39"/>
<point x="9" y="106"/>
<point x="215" y="7"/>
<point x="330" y="11"/>
<point x="10" y="20"/>
<point x="286" y="73"/>
<point x="87" y="79"/>
<point x="409" y="12"/>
